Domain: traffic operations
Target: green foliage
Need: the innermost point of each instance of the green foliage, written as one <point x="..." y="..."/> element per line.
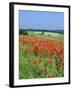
<point x="42" y="33"/>
<point x="28" y="71"/>
<point x="22" y="32"/>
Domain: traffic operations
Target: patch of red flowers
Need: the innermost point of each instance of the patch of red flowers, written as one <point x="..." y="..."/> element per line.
<point x="61" y="51"/>
<point x="58" y="60"/>
<point x="40" y="59"/>
<point x="51" y="76"/>
<point x="42" y="69"/>
<point x="48" y="61"/>
<point x="44" y="51"/>
<point x="35" y="48"/>
<point x="60" y="65"/>
<point x="34" y="62"/>
<point x="58" y="51"/>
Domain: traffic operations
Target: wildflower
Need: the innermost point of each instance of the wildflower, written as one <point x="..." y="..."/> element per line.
<point x="51" y="76"/>
<point x="58" y="60"/>
<point x="48" y="61"/>
<point x="61" y="51"/>
<point x="60" y="65"/>
<point x="34" y="62"/>
<point x="40" y="59"/>
<point x="35" y="48"/>
<point x="42" y="69"/>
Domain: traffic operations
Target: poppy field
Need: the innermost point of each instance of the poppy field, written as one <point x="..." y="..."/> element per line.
<point x="41" y="56"/>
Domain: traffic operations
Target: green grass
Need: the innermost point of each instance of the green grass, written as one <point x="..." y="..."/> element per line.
<point x="49" y="35"/>
<point x="29" y="71"/>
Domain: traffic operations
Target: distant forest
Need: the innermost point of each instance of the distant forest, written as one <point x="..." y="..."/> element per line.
<point x="25" y="31"/>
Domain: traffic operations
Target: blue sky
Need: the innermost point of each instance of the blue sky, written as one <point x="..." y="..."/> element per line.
<point x="41" y="20"/>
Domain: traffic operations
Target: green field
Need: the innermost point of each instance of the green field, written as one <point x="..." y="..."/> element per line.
<point x="41" y="55"/>
<point x="47" y="35"/>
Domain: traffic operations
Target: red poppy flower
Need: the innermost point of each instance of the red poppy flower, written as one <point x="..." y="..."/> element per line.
<point x="58" y="60"/>
<point x="42" y="69"/>
<point x="40" y="59"/>
<point x="34" y="62"/>
<point x="35" y="49"/>
<point x="56" y="50"/>
<point x="60" y="65"/>
<point x="51" y="52"/>
<point x="48" y="61"/>
<point x="51" y="76"/>
<point x="61" y="51"/>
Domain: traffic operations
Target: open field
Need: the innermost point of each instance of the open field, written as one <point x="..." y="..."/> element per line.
<point x="41" y="55"/>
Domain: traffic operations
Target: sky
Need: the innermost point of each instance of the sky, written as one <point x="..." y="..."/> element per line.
<point x="41" y="20"/>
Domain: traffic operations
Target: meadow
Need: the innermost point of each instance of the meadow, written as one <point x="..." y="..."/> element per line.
<point x="41" y="55"/>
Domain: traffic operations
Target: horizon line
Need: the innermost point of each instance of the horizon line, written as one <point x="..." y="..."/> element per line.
<point x="40" y="29"/>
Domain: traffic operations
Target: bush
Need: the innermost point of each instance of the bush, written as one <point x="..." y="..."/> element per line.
<point x="23" y="33"/>
<point x="42" y="33"/>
